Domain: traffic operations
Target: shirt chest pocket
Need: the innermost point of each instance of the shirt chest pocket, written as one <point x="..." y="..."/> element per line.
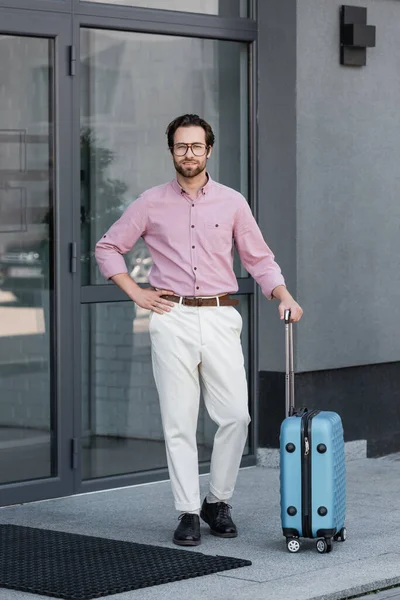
<point x="218" y="235"/>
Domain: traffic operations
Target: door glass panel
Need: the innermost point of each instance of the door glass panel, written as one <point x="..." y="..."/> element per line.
<point x="26" y="202"/>
<point x="121" y="420"/>
<point x="132" y="86"/>
<point x="223" y="8"/>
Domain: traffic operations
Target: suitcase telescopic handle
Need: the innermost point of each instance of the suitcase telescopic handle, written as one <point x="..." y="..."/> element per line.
<point x="289" y="381"/>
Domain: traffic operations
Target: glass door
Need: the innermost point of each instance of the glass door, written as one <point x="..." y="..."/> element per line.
<point x="34" y="459"/>
<point x="126" y="102"/>
<point x="83" y="111"/>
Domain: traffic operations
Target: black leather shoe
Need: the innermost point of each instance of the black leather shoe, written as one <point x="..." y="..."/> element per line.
<point x="218" y="517"/>
<point x="188" y="531"/>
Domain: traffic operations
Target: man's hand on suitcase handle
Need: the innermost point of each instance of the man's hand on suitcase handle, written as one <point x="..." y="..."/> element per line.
<point x="295" y="311"/>
<point x="287" y="302"/>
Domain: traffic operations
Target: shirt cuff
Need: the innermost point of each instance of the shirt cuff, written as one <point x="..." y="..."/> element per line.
<point x="267" y="290"/>
<point x="113" y="267"/>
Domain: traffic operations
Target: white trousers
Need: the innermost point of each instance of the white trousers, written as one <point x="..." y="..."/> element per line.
<point x="193" y="349"/>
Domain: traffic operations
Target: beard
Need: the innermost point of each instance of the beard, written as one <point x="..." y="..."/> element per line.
<point x="191" y="170"/>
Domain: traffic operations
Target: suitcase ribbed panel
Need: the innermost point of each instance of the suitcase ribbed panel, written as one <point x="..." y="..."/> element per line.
<point x="290" y="473"/>
<point x="328" y="472"/>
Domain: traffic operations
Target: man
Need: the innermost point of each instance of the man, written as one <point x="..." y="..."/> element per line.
<point x="189" y="226"/>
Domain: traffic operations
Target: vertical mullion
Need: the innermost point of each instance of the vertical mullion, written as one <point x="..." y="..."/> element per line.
<point x="64" y="371"/>
<point x="76" y="229"/>
<point x="52" y="320"/>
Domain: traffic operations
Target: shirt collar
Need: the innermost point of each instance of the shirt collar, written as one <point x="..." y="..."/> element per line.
<point x="205" y="189"/>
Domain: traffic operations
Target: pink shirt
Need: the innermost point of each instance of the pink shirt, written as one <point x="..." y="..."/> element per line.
<point x="191" y="241"/>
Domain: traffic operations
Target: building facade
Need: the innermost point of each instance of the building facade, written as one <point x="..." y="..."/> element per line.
<point x="86" y="92"/>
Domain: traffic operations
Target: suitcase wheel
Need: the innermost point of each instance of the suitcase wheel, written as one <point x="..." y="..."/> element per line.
<point x="324" y="546"/>
<point x="341" y="536"/>
<point x="293" y="544"/>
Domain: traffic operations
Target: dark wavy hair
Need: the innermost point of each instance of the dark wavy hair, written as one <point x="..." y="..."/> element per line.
<point x="187" y="121"/>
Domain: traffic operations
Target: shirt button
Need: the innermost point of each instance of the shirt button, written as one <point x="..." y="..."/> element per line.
<point x="197" y="288"/>
<point x="195" y="268"/>
<point x="192" y="204"/>
<point x="216" y="226"/>
<point x="192" y="226"/>
<point x="193" y="246"/>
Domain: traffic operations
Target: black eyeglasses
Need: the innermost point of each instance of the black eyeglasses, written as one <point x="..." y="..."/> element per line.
<point x="197" y="149"/>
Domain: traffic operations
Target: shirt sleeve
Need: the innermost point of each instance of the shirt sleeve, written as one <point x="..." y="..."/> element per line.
<point x="120" y="238"/>
<point x="254" y="253"/>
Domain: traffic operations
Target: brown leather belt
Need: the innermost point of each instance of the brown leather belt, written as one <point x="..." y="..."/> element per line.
<point x="224" y="300"/>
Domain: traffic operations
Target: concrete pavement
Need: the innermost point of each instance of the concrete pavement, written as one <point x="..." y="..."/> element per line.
<point x="368" y="560"/>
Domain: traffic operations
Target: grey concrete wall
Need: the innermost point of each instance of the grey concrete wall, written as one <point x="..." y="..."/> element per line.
<point x="345" y="229"/>
<point x="348" y="209"/>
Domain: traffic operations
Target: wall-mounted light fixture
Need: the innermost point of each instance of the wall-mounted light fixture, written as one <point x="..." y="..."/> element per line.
<point x="355" y="36"/>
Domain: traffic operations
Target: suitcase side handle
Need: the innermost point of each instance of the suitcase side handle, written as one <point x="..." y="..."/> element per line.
<point x="289" y="380"/>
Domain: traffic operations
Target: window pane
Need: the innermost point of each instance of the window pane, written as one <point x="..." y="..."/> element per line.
<point x="26" y="200"/>
<point x="223" y="8"/>
<point x="133" y="85"/>
<point x="121" y="421"/>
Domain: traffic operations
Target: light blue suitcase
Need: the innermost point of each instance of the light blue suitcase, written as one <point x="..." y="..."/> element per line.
<point x="312" y="469"/>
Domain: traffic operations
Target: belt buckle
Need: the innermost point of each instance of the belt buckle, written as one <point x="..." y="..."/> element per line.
<point x="199" y="301"/>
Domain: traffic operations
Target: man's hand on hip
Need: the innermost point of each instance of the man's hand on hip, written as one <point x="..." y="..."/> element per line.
<point x="151" y="300"/>
<point x="144" y="297"/>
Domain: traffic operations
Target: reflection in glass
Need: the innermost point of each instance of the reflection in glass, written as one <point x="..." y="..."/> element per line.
<point x="121" y="421"/>
<point x="26" y="75"/>
<point x="223" y="8"/>
<point x="126" y="104"/>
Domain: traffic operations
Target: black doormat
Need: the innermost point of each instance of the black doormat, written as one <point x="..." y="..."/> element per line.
<point x="80" y="567"/>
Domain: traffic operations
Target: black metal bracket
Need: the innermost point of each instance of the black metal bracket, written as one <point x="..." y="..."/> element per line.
<point x="355" y="36"/>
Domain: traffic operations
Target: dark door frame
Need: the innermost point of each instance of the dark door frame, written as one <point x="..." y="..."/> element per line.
<point x="57" y="26"/>
<point x="164" y="22"/>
